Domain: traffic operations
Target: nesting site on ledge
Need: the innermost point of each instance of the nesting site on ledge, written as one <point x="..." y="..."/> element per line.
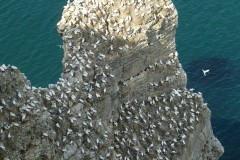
<point x="122" y="93"/>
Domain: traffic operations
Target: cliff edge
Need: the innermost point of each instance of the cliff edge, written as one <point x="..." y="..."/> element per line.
<point x="122" y="93"/>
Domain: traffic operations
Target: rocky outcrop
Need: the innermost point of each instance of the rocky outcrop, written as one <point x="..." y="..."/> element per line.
<point x="122" y="93"/>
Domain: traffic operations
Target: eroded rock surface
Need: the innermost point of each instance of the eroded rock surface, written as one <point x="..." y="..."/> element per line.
<point x="122" y="93"/>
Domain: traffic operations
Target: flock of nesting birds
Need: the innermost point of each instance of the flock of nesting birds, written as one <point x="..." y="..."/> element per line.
<point x="156" y="127"/>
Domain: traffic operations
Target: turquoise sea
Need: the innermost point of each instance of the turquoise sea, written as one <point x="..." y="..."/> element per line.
<point x="29" y="39"/>
<point x="207" y="38"/>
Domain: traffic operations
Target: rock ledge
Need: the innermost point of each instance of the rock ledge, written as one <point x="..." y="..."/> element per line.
<point x="122" y="93"/>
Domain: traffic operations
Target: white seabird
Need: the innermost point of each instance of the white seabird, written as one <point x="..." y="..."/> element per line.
<point x="60" y="46"/>
<point x="205" y="71"/>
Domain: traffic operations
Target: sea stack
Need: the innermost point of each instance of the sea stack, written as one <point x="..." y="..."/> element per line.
<point x="122" y="93"/>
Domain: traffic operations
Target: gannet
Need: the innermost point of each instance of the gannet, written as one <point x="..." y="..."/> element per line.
<point x="205" y="72"/>
<point x="60" y="46"/>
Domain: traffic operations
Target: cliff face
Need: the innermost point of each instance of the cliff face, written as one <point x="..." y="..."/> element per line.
<point x="122" y="93"/>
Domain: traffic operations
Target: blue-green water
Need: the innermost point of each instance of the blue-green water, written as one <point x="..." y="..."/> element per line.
<point x="207" y="38"/>
<point x="29" y="39"/>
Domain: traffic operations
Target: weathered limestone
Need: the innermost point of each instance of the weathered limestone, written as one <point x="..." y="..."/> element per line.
<point x="122" y="93"/>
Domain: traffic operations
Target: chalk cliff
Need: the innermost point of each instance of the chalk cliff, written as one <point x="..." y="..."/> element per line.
<point x="122" y="93"/>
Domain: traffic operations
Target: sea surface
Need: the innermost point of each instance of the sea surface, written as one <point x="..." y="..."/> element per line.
<point x="208" y="37"/>
<point x="29" y="38"/>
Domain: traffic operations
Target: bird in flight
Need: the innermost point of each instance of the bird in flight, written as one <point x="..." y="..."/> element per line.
<point x="60" y="46"/>
<point x="205" y="71"/>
